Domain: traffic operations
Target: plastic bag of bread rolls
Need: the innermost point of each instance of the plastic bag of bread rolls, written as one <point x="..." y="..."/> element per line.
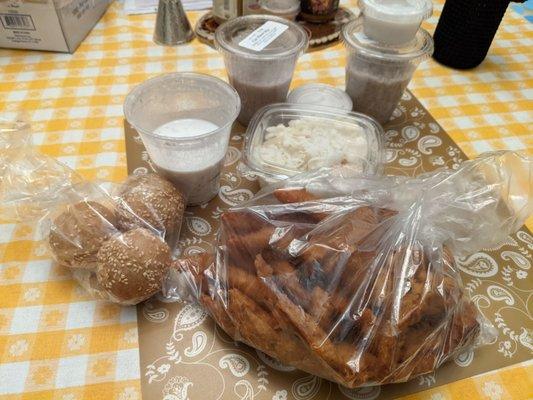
<point x="118" y="244"/>
<point x="354" y="279"/>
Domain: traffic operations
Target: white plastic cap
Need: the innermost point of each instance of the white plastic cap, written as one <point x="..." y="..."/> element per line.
<point x="401" y="11"/>
<point x="319" y="94"/>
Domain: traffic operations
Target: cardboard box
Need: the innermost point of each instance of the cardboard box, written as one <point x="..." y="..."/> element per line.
<point x="53" y="25"/>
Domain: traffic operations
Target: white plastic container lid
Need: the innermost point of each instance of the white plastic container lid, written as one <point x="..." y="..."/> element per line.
<point x="319" y="94"/>
<point x="404" y="11"/>
<point x="230" y="35"/>
<point x="281" y="6"/>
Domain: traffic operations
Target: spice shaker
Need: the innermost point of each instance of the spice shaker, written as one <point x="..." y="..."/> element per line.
<point x="172" y="26"/>
<point x="465" y="31"/>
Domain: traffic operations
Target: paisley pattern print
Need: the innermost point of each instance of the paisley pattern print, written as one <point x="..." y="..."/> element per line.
<point x="153" y="314"/>
<point x="519" y="260"/>
<point x="390" y="155"/>
<point x="233" y="197"/>
<point x="232" y="156"/>
<point x="190" y="316"/>
<point x="464" y="359"/>
<point x="498" y="293"/>
<point x="140" y="171"/>
<point x="427" y="143"/>
<point x="237" y="364"/>
<point x="408" y="162"/>
<point x="306" y="388"/>
<point x="526" y="238"/>
<point x="410" y="133"/>
<point x="199" y="341"/>
<point x="177" y="388"/>
<point x="480" y="265"/>
<point x="198" y="226"/>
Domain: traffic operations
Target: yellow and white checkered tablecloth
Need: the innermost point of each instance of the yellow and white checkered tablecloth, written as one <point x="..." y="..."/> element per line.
<point x="57" y="343"/>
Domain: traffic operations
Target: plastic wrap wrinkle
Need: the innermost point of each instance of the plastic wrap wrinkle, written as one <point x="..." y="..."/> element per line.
<point x="114" y="242"/>
<point x="354" y="279"/>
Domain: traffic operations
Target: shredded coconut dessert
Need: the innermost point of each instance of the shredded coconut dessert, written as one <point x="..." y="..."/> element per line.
<point x="307" y="144"/>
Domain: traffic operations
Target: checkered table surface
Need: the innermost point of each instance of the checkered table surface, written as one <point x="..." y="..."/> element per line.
<point x="57" y="343"/>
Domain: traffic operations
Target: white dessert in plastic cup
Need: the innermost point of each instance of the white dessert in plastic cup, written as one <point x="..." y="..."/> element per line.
<point x="394" y="22"/>
<point x="185" y="120"/>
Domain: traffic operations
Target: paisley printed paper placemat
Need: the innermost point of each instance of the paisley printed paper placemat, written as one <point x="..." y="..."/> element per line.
<point x="185" y="356"/>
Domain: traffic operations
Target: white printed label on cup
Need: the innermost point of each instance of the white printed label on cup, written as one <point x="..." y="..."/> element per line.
<point x="263" y="36"/>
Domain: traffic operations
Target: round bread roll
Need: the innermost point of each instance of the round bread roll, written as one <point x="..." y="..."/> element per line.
<point x="131" y="266"/>
<point x="150" y="201"/>
<point x="77" y="233"/>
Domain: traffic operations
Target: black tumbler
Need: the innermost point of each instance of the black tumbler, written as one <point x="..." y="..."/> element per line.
<point x="465" y="31"/>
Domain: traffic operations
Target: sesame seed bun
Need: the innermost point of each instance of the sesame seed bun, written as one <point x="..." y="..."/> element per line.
<point x="77" y="233"/>
<point x="150" y="201"/>
<point x="131" y="266"/>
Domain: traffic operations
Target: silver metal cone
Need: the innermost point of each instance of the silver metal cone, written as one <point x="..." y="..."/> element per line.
<point x="172" y="26"/>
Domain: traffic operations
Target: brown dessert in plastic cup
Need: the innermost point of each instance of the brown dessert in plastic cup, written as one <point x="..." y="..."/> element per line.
<point x="261" y="73"/>
<point x="377" y="74"/>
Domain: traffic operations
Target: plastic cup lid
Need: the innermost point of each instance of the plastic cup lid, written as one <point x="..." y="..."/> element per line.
<point x="281" y="6"/>
<point x="287" y="42"/>
<point x="397" y="10"/>
<point x="418" y="49"/>
<point x="319" y="94"/>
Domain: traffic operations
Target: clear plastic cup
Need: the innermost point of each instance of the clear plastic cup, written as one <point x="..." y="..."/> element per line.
<point x="376" y="74"/>
<point x="394" y="22"/>
<point x="261" y="75"/>
<point x="365" y="159"/>
<point x="202" y="110"/>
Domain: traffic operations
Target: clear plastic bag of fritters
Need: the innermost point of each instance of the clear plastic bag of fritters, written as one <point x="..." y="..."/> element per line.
<point x="112" y="240"/>
<point x="354" y="279"/>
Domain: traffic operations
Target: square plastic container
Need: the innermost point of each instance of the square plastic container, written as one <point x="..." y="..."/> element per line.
<point x="369" y="163"/>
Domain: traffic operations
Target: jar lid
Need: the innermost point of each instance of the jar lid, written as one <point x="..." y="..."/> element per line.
<point x="261" y="37"/>
<point x="420" y="48"/>
<point x="319" y="94"/>
<point x="280" y="6"/>
<point x="403" y="11"/>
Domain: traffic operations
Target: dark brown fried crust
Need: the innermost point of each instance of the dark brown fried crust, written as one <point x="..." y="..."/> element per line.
<point x="331" y="298"/>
